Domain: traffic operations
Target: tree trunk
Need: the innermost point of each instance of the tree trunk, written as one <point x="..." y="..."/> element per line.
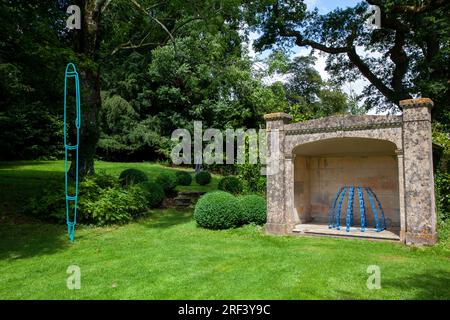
<point x="86" y="46"/>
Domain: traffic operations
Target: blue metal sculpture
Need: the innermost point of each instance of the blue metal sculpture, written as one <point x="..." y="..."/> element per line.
<point x="71" y="72"/>
<point x="334" y="215"/>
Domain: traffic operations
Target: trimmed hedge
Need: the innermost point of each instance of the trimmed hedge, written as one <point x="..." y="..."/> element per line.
<point x="154" y="193"/>
<point x="218" y="210"/>
<point x="254" y="209"/>
<point x="203" y="178"/>
<point x="230" y="184"/>
<point x="167" y="181"/>
<point x="132" y="176"/>
<point x="183" y="178"/>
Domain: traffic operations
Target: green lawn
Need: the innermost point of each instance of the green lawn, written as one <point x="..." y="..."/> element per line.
<point x="166" y="256"/>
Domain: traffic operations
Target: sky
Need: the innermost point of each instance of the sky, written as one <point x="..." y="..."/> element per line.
<point x="324" y="6"/>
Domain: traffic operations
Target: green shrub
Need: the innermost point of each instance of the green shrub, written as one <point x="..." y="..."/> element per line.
<point x="203" y="178"/>
<point x="254" y="209"/>
<point x="442" y="184"/>
<point x="104" y="180"/>
<point x="253" y="180"/>
<point x="230" y="184"/>
<point x="49" y="205"/>
<point x="183" y="178"/>
<point x="132" y="176"/>
<point x="217" y="210"/>
<point x="99" y="202"/>
<point x="118" y="205"/>
<point x="167" y="181"/>
<point x="154" y="193"/>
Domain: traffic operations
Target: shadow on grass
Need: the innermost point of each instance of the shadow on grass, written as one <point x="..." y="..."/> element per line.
<point x="19" y="241"/>
<point x="434" y="284"/>
<point x="167" y="218"/>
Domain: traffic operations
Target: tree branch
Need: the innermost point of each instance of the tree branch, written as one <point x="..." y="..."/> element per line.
<point x="350" y="50"/>
<point x="299" y="41"/>
<point x="138" y="6"/>
<point x="417" y="9"/>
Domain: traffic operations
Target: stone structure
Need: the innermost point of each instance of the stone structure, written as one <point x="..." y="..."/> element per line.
<point x="309" y="161"/>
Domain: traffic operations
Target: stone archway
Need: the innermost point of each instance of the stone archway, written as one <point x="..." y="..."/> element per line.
<point x="402" y="144"/>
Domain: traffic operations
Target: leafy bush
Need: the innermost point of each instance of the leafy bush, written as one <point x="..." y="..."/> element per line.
<point x="154" y="193"/>
<point x="100" y="201"/>
<point x="254" y="209"/>
<point x="117" y="205"/>
<point x="132" y="176"/>
<point x="253" y="180"/>
<point x="217" y="210"/>
<point x="442" y="183"/>
<point x="203" y="178"/>
<point x="50" y="205"/>
<point x="183" y="178"/>
<point x="230" y="184"/>
<point x="167" y="181"/>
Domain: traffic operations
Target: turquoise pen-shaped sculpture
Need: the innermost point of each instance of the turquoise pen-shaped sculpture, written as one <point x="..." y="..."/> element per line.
<point x="71" y="72"/>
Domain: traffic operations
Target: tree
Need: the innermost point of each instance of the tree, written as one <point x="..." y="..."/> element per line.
<point x="308" y="95"/>
<point x="412" y="48"/>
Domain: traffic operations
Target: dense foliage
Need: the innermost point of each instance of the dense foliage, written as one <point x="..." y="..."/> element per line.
<point x="410" y="53"/>
<point x="101" y="201"/>
<point x="254" y="209"/>
<point x="167" y="181"/>
<point x="132" y="176"/>
<point x="154" y="193"/>
<point x="218" y="210"/>
<point x="203" y="178"/>
<point x="183" y="178"/>
<point x="443" y="195"/>
<point x="230" y="184"/>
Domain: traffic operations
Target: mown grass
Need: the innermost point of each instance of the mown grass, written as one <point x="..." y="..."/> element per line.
<point x="166" y="256"/>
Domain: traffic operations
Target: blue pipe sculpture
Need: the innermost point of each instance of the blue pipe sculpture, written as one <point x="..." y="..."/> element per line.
<point x="71" y="198"/>
<point x="334" y="215"/>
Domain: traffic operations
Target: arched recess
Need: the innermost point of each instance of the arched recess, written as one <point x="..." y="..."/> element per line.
<point x="323" y="166"/>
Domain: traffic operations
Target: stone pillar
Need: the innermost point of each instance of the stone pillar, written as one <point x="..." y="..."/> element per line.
<point x="401" y="194"/>
<point x="292" y="218"/>
<point x="418" y="172"/>
<point x="276" y="187"/>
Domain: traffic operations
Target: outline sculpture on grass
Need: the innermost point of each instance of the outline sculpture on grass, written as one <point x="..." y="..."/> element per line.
<point x="71" y="148"/>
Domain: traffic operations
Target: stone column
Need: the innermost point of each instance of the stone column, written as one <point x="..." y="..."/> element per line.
<point x="276" y="187"/>
<point x="401" y="194"/>
<point x="418" y="168"/>
<point x="291" y="215"/>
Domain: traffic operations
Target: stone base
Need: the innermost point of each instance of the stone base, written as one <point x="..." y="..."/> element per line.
<point x="419" y="239"/>
<point x="276" y="228"/>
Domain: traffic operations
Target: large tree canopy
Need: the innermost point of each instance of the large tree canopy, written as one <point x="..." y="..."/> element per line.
<point x="408" y="56"/>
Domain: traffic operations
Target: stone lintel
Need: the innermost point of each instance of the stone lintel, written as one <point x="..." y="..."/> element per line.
<point x="416" y="103"/>
<point x="286" y="118"/>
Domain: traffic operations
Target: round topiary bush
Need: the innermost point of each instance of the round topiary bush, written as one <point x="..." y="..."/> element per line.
<point x="132" y="176"/>
<point x="154" y="193"/>
<point x="183" y="178"/>
<point x="203" y="178"/>
<point x="231" y="184"/>
<point x="254" y="209"/>
<point x="218" y="210"/>
<point x="167" y="181"/>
